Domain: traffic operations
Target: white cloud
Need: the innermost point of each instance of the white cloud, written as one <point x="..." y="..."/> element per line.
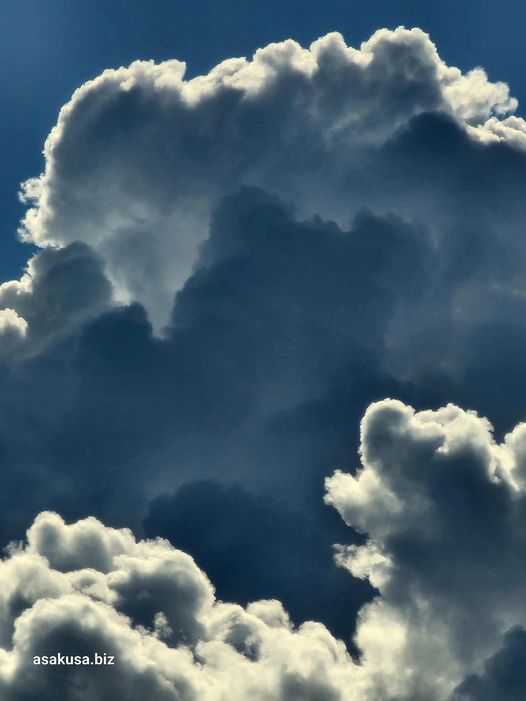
<point x="235" y="653"/>
<point x="446" y="559"/>
<point x="13" y="330"/>
<point x="140" y="156"/>
<point x="446" y="565"/>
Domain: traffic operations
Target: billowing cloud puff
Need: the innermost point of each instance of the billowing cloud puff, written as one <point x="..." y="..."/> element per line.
<point x="442" y="510"/>
<point x="13" y="329"/>
<point x="61" y="288"/>
<point x="140" y="156"/>
<point x="84" y="589"/>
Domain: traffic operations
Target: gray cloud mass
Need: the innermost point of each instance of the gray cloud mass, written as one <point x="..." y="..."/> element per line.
<point x="445" y="596"/>
<point x="231" y="275"/>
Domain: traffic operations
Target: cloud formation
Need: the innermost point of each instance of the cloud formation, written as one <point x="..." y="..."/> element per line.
<point x="230" y="270"/>
<point x="140" y="156"/>
<point x="84" y="589"/>
<point x="60" y="289"/>
<point x="13" y="329"/>
<point x="439" y="505"/>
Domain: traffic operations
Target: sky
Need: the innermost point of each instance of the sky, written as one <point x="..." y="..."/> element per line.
<point x="262" y="351"/>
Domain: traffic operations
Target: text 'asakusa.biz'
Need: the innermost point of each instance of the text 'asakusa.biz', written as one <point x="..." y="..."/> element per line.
<point x="74" y="660"/>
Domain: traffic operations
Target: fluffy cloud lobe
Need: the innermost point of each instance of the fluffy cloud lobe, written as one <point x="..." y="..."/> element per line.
<point x="140" y="156"/>
<point x="439" y="503"/>
<point x="86" y="589"/>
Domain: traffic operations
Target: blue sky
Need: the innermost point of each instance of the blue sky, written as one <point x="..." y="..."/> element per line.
<point x="50" y="47"/>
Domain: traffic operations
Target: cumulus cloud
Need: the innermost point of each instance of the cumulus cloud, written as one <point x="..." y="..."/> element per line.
<point x="442" y="514"/>
<point x="339" y="226"/>
<point x="440" y="511"/>
<point x="133" y="608"/>
<point x="140" y="156"/>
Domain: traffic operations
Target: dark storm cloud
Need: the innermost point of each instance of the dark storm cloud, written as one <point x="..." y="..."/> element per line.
<point x="280" y="339"/>
<point x="61" y="288"/>
<point x="336" y="226"/>
<point x="244" y="387"/>
<point x="249" y="545"/>
<point x="504" y="673"/>
<point x="440" y="505"/>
